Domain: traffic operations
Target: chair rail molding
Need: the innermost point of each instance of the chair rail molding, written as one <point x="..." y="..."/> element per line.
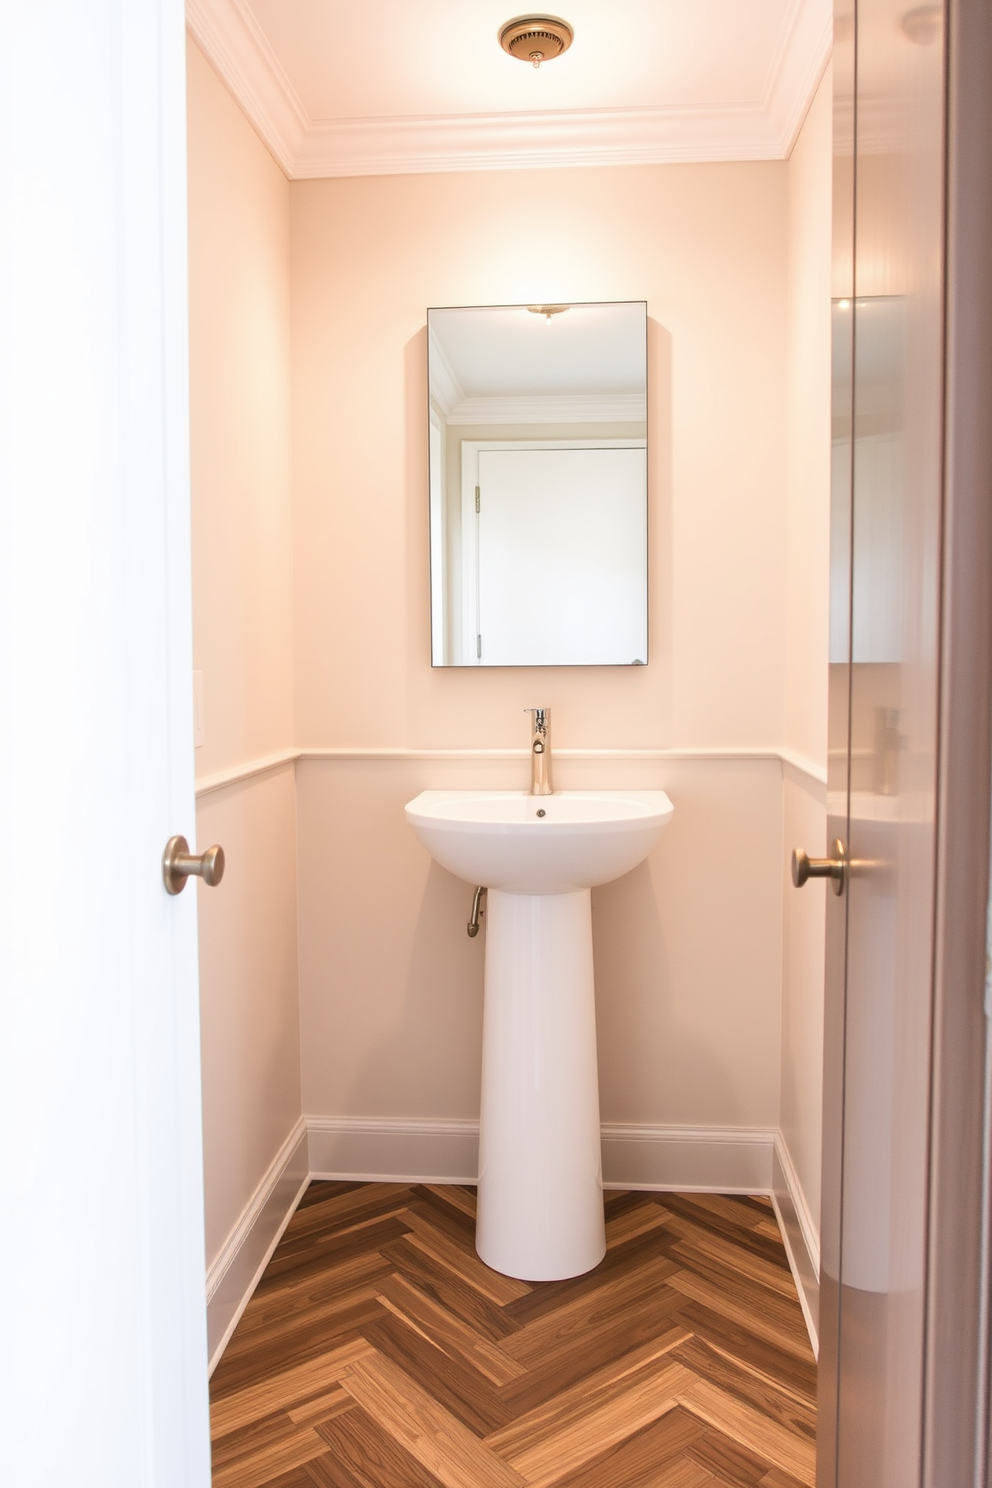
<point x="811" y="770"/>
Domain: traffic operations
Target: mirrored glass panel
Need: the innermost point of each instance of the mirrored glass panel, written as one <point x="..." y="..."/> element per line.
<point x="538" y="485"/>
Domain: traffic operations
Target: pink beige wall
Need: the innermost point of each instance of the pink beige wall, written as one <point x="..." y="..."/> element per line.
<point x="689" y="948"/>
<point x="706" y="246"/>
<point x="312" y="629"/>
<point x="242" y="637"/>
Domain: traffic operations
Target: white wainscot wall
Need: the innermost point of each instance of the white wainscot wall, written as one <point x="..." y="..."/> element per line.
<point x="689" y="975"/>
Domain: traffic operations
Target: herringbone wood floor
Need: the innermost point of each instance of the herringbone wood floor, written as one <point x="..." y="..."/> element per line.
<point x="379" y="1352"/>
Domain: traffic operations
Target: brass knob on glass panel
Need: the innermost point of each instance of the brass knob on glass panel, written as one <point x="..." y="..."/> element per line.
<point x="178" y="864"/>
<point x="834" y="868"/>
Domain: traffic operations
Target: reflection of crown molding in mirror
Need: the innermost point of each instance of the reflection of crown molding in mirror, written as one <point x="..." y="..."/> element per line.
<point x="604" y="408"/>
<point x="446" y="391"/>
<point x="762" y="129"/>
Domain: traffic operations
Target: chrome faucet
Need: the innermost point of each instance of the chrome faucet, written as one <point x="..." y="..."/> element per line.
<point x="540" y="752"/>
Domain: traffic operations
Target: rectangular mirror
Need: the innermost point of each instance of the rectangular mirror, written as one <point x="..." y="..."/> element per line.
<point x="538" y="485"/>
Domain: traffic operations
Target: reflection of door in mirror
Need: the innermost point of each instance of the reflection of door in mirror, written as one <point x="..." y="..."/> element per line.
<point x="559" y="553"/>
<point x="538" y="485"/>
<point x="879" y="474"/>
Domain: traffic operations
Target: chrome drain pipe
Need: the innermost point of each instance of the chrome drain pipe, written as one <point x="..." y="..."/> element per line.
<point x="478" y="909"/>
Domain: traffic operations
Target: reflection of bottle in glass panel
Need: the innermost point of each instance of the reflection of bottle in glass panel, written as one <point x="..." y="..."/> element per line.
<point x="888" y="742"/>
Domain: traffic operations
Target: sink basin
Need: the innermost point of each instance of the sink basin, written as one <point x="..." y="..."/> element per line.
<point x="526" y="844"/>
<point x="540" y="1210"/>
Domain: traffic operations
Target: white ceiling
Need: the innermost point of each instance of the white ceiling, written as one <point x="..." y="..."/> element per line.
<point x="507" y="350"/>
<point x="368" y="87"/>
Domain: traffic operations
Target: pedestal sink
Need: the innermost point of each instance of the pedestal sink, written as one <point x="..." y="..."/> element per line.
<point x="540" y="1215"/>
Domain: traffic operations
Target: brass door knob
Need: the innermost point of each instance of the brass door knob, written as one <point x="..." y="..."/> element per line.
<point x="178" y="864"/>
<point x="834" y="868"/>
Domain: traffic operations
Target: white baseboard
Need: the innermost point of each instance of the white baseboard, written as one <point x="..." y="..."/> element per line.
<point x="710" y="1159"/>
<point x="799" y="1233"/>
<point x="386" y="1150"/>
<point x="236" y="1271"/>
<point x="389" y="1150"/>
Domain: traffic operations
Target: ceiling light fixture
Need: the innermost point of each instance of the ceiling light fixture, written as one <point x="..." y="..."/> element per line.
<point x="547" y="310"/>
<point x="536" y="38"/>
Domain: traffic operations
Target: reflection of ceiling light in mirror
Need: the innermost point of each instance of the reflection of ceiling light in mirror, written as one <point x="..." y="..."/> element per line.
<point x="923" y="24"/>
<point x="547" y="310"/>
<point x="843" y="304"/>
<point x="536" y="38"/>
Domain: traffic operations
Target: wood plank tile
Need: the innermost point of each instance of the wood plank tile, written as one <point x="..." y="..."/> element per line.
<point x="436" y="1280"/>
<point x="684" y="1474"/>
<point x="457" y="1339"/>
<point x="638" y="1461"/>
<point x="638" y="1220"/>
<point x="281" y="1391"/>
<point x="547" y="1296"/>
<point x="297" y="1477"/>
<point x="795" y="1372"/>
<point x="297" y="1296"/>
<point x="321" y="1408"/>
<point x="462" y="1260"/>
<point x="546" y="1444"/>
<point x="729" y="1463"/>
<point x="767" y="1324"/>
<point x="452" y="1193"/>
<point x="619" y="1293"/>
<point x="448" y="1217"/>
<point x="319" y="1189"/>
<point x="372" y="1456"/>
<point x="360" y="1201"/>
<point x="789" y="1411"/>
<point x="300" y="1346"/>
<point x="328" y="1471"/>
<point x="311" y="1263"/>
<point x="259" y="1435"/>
<point x="380" y="1352"/>
<point x="754" y="1364"/>
<point x="328" y="1317"/>
<point x="739" y="1210"/>
<point x="254" y="1471"/>
<point x="437" y="1440"/>
<point x="735" y="1257"/>
<point x="464" y="1392"/>
<point x="750" y="1428"/>
<point x="734" y="1219"/>
<point x="647" y="1332"/>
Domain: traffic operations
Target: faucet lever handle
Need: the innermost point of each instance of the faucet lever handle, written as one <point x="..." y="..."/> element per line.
<point x="540" y="716"/>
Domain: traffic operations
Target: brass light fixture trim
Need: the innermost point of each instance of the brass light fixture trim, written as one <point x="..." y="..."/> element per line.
<point x="536" y="38"/>
<point x="548" y="310"/>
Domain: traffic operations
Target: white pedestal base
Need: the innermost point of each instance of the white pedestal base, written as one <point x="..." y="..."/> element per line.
<point x="540" y="1167"/>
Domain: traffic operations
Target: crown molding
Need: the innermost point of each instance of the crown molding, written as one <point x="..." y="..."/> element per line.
<point x="552" y="408"/>
<point x="806" y="45"/>
<point x="232" y="40"/>
<point x="306" y="149"/>
<point x="587" y="137"/>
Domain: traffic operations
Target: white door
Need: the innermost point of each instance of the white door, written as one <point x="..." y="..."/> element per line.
<point x="903" y="1361"/>
<point x="562" y="557"/>
<point x="103" y="1339"/>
